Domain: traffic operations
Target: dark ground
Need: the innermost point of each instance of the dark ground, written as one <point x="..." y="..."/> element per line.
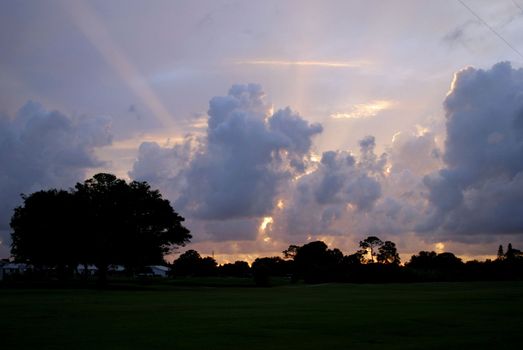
<point x="480" y="315"/>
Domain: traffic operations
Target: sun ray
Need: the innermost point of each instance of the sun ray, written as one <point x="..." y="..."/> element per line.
<point x="89" y="23"/>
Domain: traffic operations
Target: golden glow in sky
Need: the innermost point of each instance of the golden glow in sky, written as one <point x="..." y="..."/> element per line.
<point x="266" y="221"/>
<point x="328" y="64"/>
<point x="365" y="110"/>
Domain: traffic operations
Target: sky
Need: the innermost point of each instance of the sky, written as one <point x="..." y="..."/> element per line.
<point x="273" y="123"/>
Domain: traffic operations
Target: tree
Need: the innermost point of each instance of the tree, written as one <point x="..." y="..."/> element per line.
<point x="127" y="224"/>
<point x="290" y="252"/>
<point x="191" y="263"/>
<point x="370" y="244"/>
<point x="388" y="254"/>
<point x="423" y="261"/>
<point x="186" y="263"/>
<point x="314" y="262"/>
<point x="42" y="231"/>
<point x="501" y="255"/>
<point x="102" y="221"/>
<point x="236" y="269"/>
<point x="264" y="268"/>
<point x="357" y="258"/>
<point x="512" y="253"/>
<point x="448" y="261"/>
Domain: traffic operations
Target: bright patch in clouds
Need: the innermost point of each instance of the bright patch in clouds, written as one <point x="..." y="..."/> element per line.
<point x="365" y="110"/>
<point x="266" y="222"/>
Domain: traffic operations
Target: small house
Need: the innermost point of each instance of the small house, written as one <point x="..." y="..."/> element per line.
<point x="159" y="270"/>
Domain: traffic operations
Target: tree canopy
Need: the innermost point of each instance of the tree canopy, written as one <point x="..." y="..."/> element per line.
<point x="103" y="221"/>
<point x="370" y="244"/>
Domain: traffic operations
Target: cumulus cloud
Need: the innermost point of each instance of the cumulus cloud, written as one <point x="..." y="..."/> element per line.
<point x="253" y="164"/>
<point x="349" y="196"/>
<point x="40" y="149"/>
<point x="417" y="153"/>
<point x="164" y="166"/>
<point x="238" y="168"/>
<point x="322" y="201"/>
<point x="479" y="189"/>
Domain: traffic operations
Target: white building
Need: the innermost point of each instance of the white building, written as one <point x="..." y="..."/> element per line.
<point x="14" y="268"/>
<point x="159" y="270"/>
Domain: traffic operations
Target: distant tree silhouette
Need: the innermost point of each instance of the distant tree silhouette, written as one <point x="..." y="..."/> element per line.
<point x="432" y="266"/>
<point x="315" y="263"/>
<point x="264" y="268"/>
<point x="103" y="221"/>
<point x="207" y="267"/>
<point x="448" y="261"/>
<point x="388" y="254"/>
<point x="191" y="263"/>
<point x="186" y="264"/>
<point x="290" y="252"/>
<point x="512" y="253"/>
<point x="501" y="255"/>
<point x="236" y="269"/>
<point x="357" y="258"/>
<point x="423" y="261"/>
<point x="370" y="244"/>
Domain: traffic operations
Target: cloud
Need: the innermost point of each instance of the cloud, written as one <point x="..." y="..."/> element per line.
<point x="479" y="189"/>
<point x="238" y="168"/>
<point x="415" y="152"/>
<point x="41" y="149"/>
<point x="365" y="110"/>
<point x="254" y="166"/>
<point x="325" y="64"/>
<point x="350" y="195"/>
<point x="342" y="185"/>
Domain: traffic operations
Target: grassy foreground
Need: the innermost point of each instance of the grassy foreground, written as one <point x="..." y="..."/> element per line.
<point x="407" y="316"/>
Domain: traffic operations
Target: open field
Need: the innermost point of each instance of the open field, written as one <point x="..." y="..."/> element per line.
<point x="408" y="316"/>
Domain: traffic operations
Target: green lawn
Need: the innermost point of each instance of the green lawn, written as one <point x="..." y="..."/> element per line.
<point x="346" y="316"/>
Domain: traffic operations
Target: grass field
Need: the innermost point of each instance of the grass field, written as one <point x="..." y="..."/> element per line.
<point x="407" y="316"/>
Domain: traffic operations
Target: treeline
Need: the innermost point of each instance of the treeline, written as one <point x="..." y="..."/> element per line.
<point x="376" y="262"/>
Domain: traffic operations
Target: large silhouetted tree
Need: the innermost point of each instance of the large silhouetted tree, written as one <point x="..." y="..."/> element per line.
<point x="103" y="221"/>
<point x="43" y="231"/>
<point x="127" y="223"/>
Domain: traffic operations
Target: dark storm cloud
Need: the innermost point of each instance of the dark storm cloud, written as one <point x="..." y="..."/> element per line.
<point x="41" y="149"/>
<point x="480" y="188"/>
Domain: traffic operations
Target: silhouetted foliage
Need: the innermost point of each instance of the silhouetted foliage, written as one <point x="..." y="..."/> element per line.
<point x="388" y="254"/>
<point x="102" y="221"/>
<point x="433" y="266"/>
<point x="264" y="268"/>
<point x="191" y="263"/>
<point x="315" y="263"/>
<point x="512" y="253"/>
<point x="501" y="255"/>
<point x="290" y="252"/>
<point x="370" y="244"/>
<point x="43" y="231"/>
<point x="355" y="259"/>
<point x="236" y="269"/>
